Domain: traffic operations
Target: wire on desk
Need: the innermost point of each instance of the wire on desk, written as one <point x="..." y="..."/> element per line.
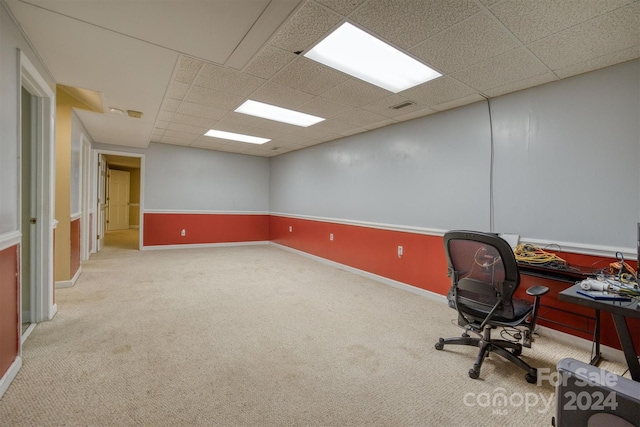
<point x="534" y="255"/>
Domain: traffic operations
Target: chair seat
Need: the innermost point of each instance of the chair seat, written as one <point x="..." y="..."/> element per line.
<point x="521" y="309"/>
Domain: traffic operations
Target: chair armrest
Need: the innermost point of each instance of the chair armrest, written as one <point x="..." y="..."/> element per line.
<point x="537" y="291"/>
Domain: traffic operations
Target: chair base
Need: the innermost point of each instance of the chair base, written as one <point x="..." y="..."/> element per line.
<point x="506" y="349"/>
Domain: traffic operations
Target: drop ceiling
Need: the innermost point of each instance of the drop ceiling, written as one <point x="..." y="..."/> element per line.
<point x="186" y="65"/>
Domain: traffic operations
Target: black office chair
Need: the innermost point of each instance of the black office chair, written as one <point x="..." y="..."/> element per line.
<point x="484" y="277"/>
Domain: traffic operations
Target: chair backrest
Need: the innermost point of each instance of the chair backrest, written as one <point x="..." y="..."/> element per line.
<point x="483" y="271"/>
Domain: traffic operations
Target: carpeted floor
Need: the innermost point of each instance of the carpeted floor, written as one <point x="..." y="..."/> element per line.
<point x="258" y="336"/>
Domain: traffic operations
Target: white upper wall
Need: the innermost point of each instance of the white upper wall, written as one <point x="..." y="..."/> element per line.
<point x="189" y="179"/>
<point x="566" y="167"/>
<point x="567" y="159"/>
<point x="178" y="178"/>
<point x="430" y="173"/>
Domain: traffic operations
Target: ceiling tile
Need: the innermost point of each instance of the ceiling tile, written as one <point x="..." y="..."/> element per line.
<point x="510" y="67"/>
<point x="325" y="108"/>
<point x="160" y="125"/>
<point x="201" y="110"/>
<point x="185" y="119"/>
<point x="284" y="128"/>
<point x="379" y="124"/>
<point x="175" y="140"/>
<point x="282" y="96"/>
<point x="177" y="90"/>
<point x="237" y="128"/>
<point x="353" y="131"/>
<point x="343" y="7"/>
<point x="610" y="33"/>
<point x="227" y="80"/>
<point x="188" y="69"/>
<point x="315" y="133"/>
<point x="600" y="62"/>
<point x="246" y="119"/>
<point x="291" y="139"/>
<point x="309" y="24"/>
<point x="533" y="20"/>
<point x="476" y="97"/>
<point x="165" y="116"/>
<point x="466" y="43"/>
<point x="408" y="22"/>
<point x="489" y="2"/>
<point x="170" y="105"/>
<point x="332" y="126"/>
<point x="213" y="98"/>
<point x="415" y="114"/>
<point x="442" y="89"/>
<point x="383" y="106"/>
<point x="269" y="61"/>
<point x="310" y="76"/>
<point x="209" y="143"/>
<point x="521" y="84"/>
<point x="360" y="118"/>
<point x="356" y="92"/>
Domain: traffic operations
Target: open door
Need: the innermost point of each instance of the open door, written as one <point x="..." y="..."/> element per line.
<point x="118" y="199"/>
<point x="102" y="202"/>
<point x="28" y="208"/>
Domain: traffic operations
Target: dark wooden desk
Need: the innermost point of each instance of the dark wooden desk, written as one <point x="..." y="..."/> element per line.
<point x="619" y="311"/>
<point x="568" y="274"/>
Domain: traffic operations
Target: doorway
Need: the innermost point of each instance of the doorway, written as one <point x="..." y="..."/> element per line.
<point x="36" y="197"/>
<point x="119" y="187"/>
<point x="27" y="207"/>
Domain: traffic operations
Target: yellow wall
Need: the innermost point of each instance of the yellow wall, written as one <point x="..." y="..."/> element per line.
<point x="63" y="192"/>
<point x="134" y="197"/>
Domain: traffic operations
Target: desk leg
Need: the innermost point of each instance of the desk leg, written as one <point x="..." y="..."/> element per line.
<point x="595" y="359"/>
<point x="627" y="346"/>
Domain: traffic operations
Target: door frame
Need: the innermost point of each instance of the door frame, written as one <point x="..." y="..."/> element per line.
<point x="85" y="199"/>
<point x="43" y="303"/>
<point x="94" y="184"/>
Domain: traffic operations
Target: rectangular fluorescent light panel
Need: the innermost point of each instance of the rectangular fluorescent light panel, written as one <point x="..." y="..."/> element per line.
<point x="236" y="137"/>
<point x="279" y="114"/>
<point x="361" y="55"/>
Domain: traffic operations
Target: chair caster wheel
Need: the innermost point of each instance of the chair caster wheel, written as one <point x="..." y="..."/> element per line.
<point x="531" y="379"/>
<point x="516" y="352"/>
<point x="466" y="335"/>
<point x="474" y="374"/>
<point x="440" y="344"/>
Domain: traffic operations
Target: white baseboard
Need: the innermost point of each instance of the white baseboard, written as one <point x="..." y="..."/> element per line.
<point x="203" y="245"/>
<point x="69" y="283"/>
<point x="26" y="333"/>
<point x="8" y="377"/>
<point x="385" y="280"/>
<point x="607" y="352"/>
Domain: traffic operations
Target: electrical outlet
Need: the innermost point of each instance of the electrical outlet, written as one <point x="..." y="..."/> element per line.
<point x="331" y="236"/>
<point x="400" y="251"/>
<point x="183" y="232"/>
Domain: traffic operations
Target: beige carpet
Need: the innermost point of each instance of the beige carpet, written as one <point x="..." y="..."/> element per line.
<point x="257" y="336"/>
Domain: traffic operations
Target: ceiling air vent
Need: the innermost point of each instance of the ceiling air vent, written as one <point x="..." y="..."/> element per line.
<point x="134" y="114"/>
<point x="401" y="105"/>
<point x="275" y="148"/>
